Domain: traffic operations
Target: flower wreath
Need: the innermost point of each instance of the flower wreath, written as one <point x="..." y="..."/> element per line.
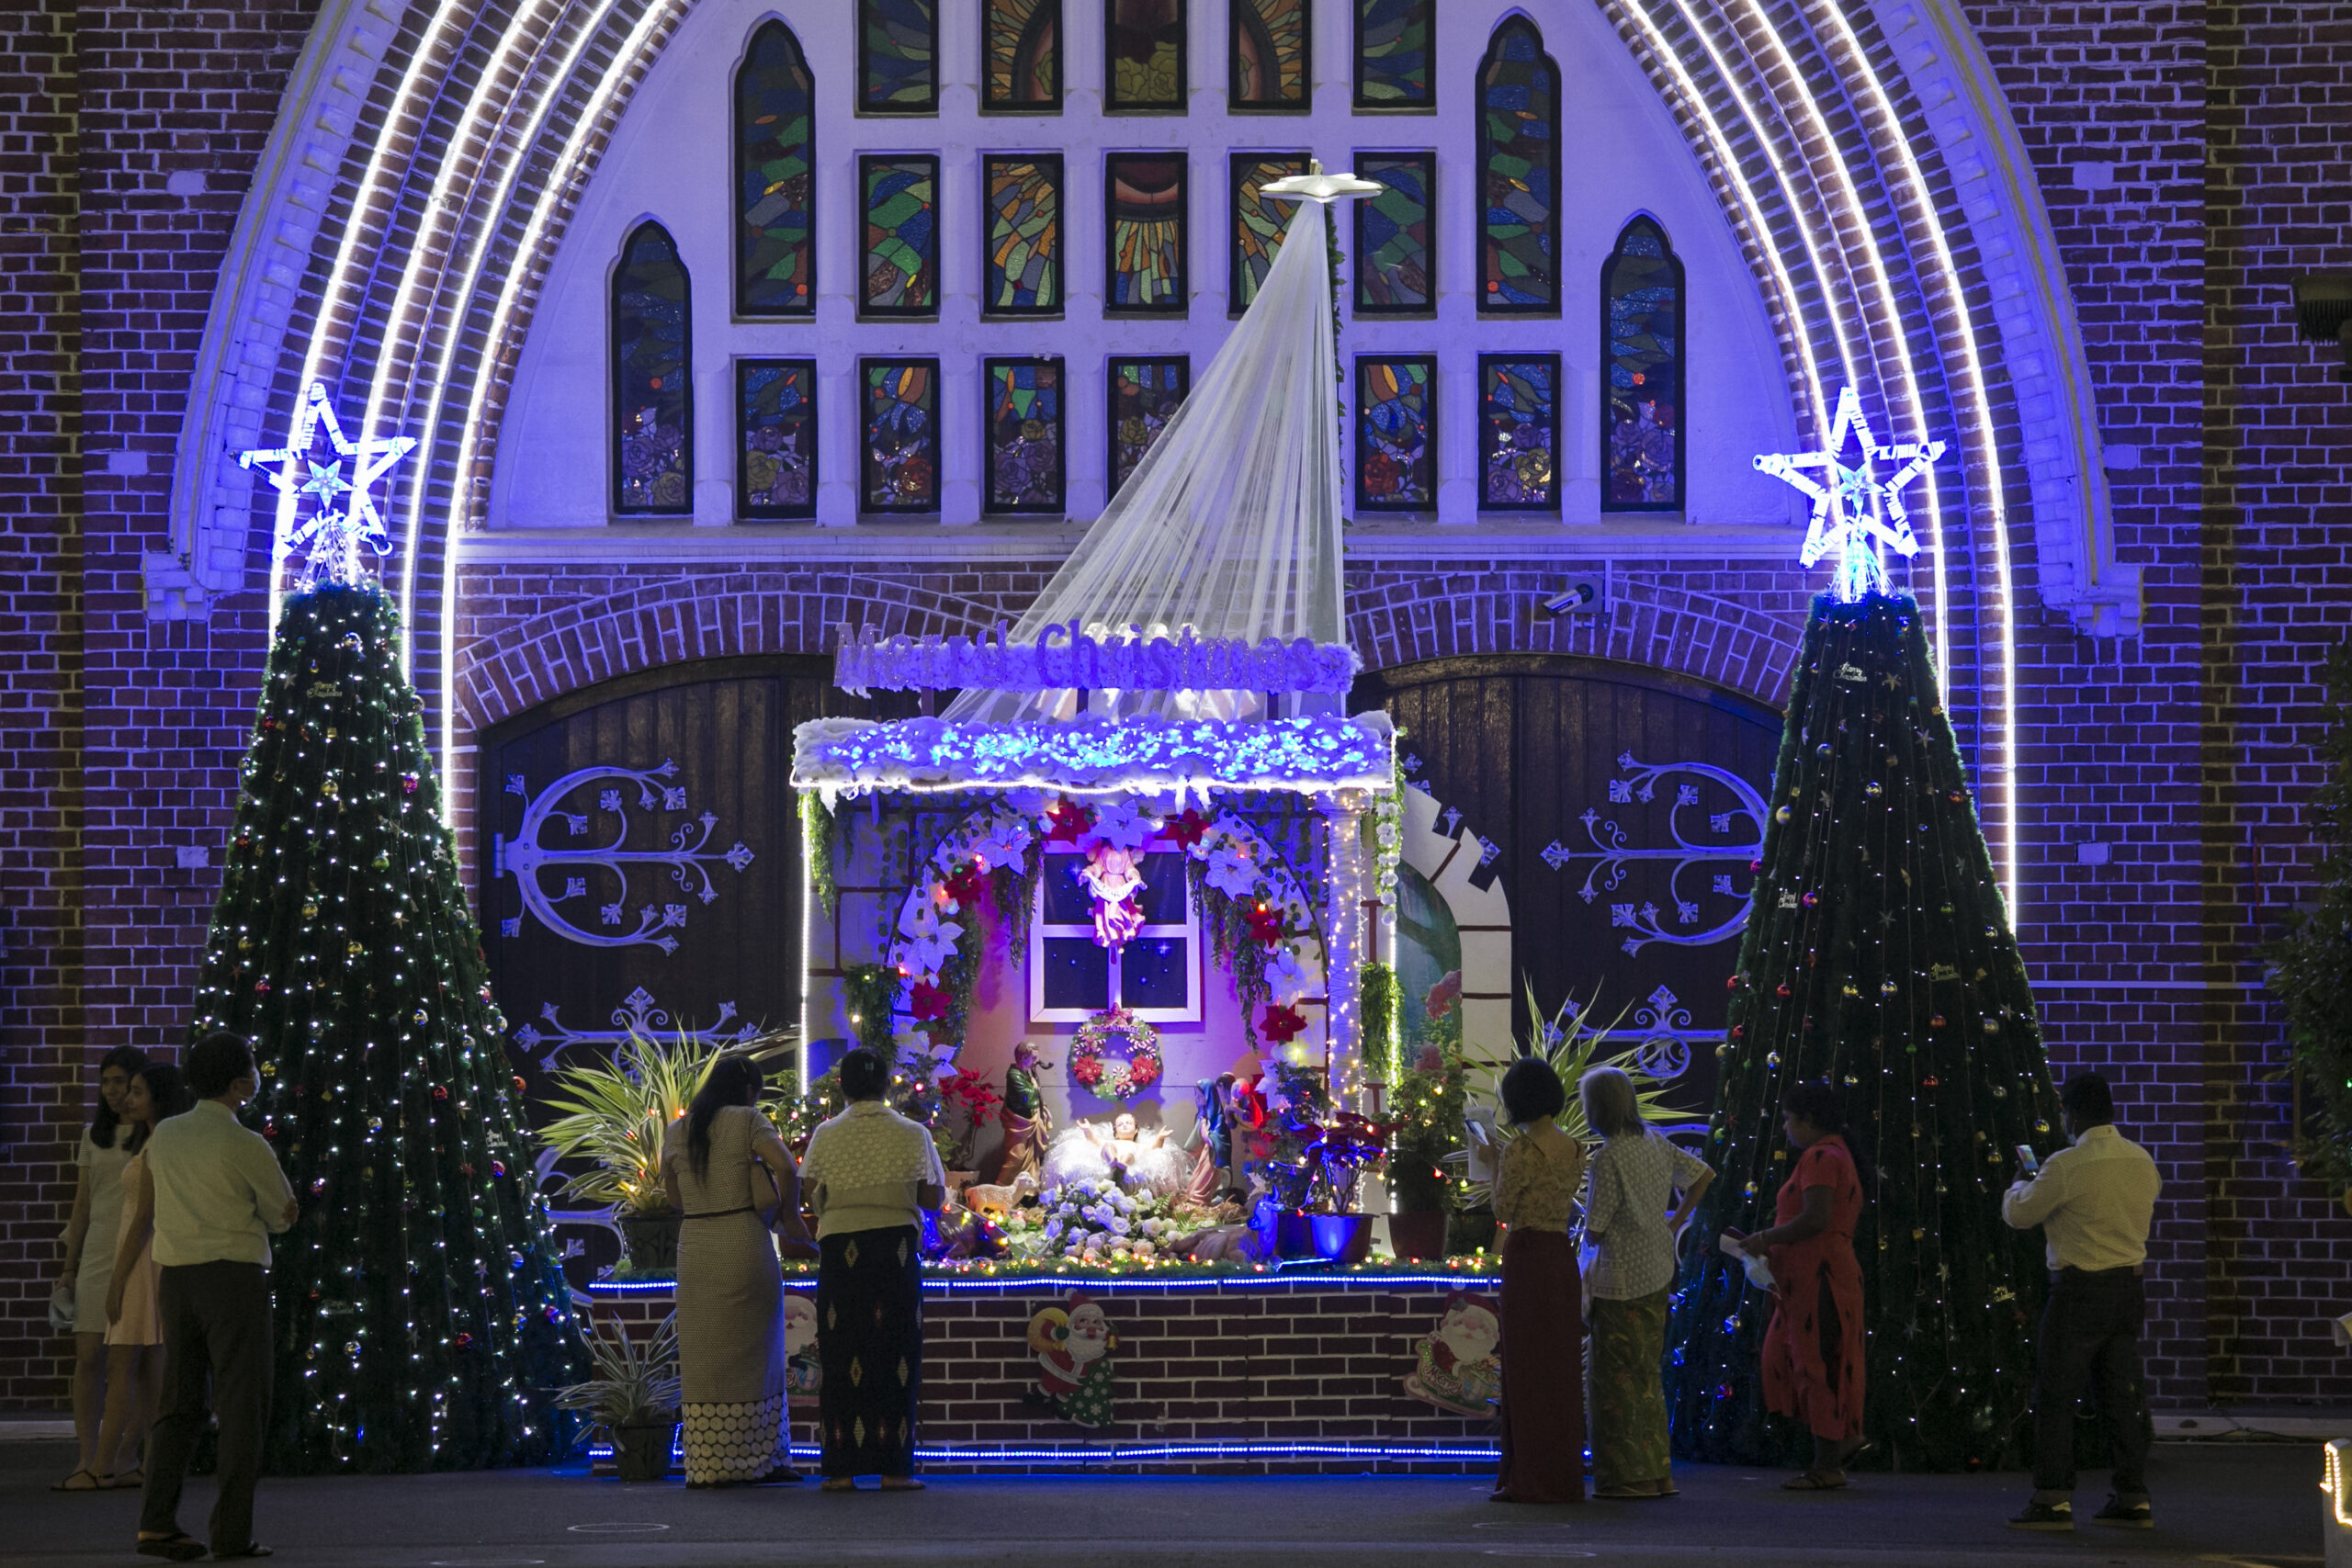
<point x="1115" y="1081"/>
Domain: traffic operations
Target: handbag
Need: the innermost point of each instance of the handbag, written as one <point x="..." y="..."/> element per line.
<point x="60" y="1307"/>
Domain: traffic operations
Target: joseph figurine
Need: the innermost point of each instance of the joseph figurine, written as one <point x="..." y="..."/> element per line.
<point x="1028" y="1125"/>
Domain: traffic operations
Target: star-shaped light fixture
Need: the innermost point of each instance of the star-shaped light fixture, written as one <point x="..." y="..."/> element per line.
<point x="333" y="533"/>
<point x="1317" y="186"/>
<point x="1854" y="511"/>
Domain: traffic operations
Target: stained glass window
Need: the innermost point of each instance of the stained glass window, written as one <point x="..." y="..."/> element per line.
<point x="1144" y="261"/>
<point x="1518" y="431"/>
<point x="1392" y="42"/>
<point x="775" y="438"/>
<point x="897" y="56"/>
<point x="1266" y="54"/>
<point x="901" y="267"/>
<point x="1519" y="171"/>
<point x="1397" y="433"/>
<point x="899" y="471"/>
<point x="1144" y="65"/>
<point x="1145" y="395"/>
<point x="1025" y="435"/>
<point x="1396" y="267"/>
<point x="1641" y="434"/>
<point x="775" y="254"/>
<point x="1259" y="221"/>
<point x="1022" y="269"/>
<point x="652" y="360"/>
<point x="1022" y="49"/>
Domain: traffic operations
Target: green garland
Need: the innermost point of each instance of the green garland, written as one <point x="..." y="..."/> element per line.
<point x="817" y="837"/>
<point x="871" y="990"/>
<point x="2311" y="964"/>
<point x="1377" y="1008"/>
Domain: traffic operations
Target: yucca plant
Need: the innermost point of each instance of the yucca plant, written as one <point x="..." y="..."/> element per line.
<point x="636" y="1381"/>
<point x="1570" y="1043"/>
<point x="615" y="1112"/>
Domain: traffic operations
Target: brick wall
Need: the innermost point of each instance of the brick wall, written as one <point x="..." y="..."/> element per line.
<point x="1257" y="1363"/>
<point x="40" y="672"/>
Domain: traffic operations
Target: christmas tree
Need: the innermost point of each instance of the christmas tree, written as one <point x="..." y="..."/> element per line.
<point x="1878" y="957"/>
<point x="422" y="1318"/>
<point x="2311" y="962"/>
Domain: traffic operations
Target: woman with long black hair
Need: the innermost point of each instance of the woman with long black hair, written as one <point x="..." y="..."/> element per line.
<point x="134" y="1319"/>
<point x="88" y="1267"/>
<point x="729" y="1173"/>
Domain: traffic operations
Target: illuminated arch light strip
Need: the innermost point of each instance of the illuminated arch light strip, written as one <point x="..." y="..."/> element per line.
<point x="1897" y="338"/>
<point x="1979" y="433"/>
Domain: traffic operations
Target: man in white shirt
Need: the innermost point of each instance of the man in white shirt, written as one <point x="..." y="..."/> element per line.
<point x="2094" y="1201"/>
<point x="219" y="1196"/>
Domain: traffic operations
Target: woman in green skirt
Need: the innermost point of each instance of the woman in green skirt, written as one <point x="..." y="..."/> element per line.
<point x="1642" y="1190"/>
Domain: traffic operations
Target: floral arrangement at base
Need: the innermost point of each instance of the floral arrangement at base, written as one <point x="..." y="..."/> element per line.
<point x="1115" y="1079"/>
<point x="1097" y="1223"/>
<point x="1018" y="1266"/>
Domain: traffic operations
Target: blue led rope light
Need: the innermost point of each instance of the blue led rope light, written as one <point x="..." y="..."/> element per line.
<point x="1132" y="1453"/>
<point x="1093" y="1285"/>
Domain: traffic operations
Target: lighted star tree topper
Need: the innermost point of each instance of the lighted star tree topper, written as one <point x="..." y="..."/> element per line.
<point x="1854" y="511"/>
<point x="330" y="536"/>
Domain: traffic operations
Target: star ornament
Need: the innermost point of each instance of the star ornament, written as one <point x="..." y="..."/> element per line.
<point x="1855" y="511"/>
<point x="293" y="470"/>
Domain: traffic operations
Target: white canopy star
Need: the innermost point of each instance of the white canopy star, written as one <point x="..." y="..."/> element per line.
<point x="297" y="474"/>
<point x="1320" y="187"/>
<point x="1854" y="511"/>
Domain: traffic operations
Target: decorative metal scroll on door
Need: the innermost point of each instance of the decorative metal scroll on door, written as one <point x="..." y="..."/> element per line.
<point x="1612" y="857"/>
<point x="639" y="1014"/>
<point x="529" y="859"/>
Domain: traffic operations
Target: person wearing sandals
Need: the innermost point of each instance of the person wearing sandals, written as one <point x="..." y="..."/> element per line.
<point x="726" y="1170"/>
<point x="134" y="1326"/>
<point x="1813" y="1348"/>
<point x="98" y="1164"/>
<point x="870" y="1173"/>
<point x="1542" y="1298"/>
<point x="218" y="1196"/>
<point x="1640" y="1191"/>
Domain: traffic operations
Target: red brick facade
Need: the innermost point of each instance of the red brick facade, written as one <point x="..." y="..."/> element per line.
<point x="2192" y="157"/>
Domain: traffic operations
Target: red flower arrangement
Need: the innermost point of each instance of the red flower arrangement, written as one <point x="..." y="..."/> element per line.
<point x="975" y="1094"/>
<point x="965" y="885"/>
<point x="1186" y="829"/>
<point x="1284" y="1024"/>
<point x="1066" y="820"/>
<point x="1265" y="924"/>
<point x="929" y="1002"/>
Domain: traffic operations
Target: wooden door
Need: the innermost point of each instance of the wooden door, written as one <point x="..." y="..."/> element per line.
<point x="1620" y="807"/>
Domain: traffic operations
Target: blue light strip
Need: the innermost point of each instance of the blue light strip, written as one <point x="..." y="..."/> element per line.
<point x="1099" y="1283"/>
<point x="1165" y="1453"/>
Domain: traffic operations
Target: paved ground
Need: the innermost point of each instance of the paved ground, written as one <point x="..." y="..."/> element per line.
<point x="2252" y="1506"/>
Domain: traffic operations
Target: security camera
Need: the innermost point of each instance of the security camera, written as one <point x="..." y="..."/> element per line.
<point x="2324" y="310"/>
<point x="1577" y="598"/>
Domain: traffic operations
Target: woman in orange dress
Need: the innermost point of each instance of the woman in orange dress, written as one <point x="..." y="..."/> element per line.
<point x="1813" y="1349"/>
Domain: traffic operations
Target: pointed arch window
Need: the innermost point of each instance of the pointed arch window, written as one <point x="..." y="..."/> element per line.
<point x="775" y="249"/>
<point x="1641" y="393"/>
<point x="1021" y="68"/>
<point x="652" y="365"/>
<point x="1519" y="171"/>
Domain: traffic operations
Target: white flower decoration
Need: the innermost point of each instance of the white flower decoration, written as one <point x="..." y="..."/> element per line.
<point x="931" y="940"/>
<point x="1119" y="823"/>
<point x="1231" y="872"/>
<point x="1284" y="977"/>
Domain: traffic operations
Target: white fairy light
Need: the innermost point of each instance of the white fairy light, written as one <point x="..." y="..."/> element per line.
<point x="333" y="533"/>
<point x="1854" y="511"/>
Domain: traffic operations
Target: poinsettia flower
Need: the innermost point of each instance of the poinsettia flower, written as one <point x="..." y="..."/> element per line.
<point x="965" y="885"/>
<point x="1065" y="820"/>
<point x="931" y="940"/>
<point x="1283" y="1025"/>
<point x="929" y="1001"/>
<point x="1185" y="830"/>
<point x="1003" y="844"/>
<point x="1265" y="924"/>
<point x="1231" y="872"/>
<point x="1119" y="824"/>
<point x="1284" y="977"/>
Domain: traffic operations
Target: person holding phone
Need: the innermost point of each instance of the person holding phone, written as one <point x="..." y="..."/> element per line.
<point x="727" y="1172"/>
<point x="2094" y="1201"/>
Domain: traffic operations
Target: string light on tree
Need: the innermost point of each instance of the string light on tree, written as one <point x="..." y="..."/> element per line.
<point x="1855" y="511"/>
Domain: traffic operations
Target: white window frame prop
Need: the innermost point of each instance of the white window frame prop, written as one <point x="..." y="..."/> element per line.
<point x="1061" y="856"/>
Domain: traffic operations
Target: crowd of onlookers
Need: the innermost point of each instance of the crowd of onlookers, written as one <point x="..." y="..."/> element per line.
<point x="167" y="1253"/>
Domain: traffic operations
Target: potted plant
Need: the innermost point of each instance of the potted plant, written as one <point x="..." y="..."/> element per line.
<point x="633" y="1398"/>
<point x="615" y="1113"/>
<point x="1429" y="1096"/>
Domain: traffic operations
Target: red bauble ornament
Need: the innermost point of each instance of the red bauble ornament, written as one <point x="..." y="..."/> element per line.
<point x="1781" y="989"/>
<point x="439" y="1092"/>
<point x="1937" y="1021"/>
<point x="1740" y="1032"/>
<point x="463" y="1341"/>
<point x="261" y="987"/>
<point x="1930" y="1082"/>
<point x="518" y="1083"/>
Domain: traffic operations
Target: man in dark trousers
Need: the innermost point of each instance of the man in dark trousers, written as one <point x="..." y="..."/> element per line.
<point x="2094" y="1203"/>
<point x="219" y="1196"/>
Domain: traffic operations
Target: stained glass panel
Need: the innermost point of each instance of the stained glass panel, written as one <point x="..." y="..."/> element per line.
<point x="897" y="56"/>
<point x="775" y="438"/>
<point x="1022" y="269"/>
<point x="1259" y="221"/>
<point x="1145" y="256"/>
<point x="775" y="254"/>
<point x="1022" y="49"/>
<point x="901" y="235"/>
<point x="899" y="471"/>
<point x="1025" y="435"/>
<point x="1397" y="433"/>
<point x="1145" y="395"/>
<point x="1519" y="168"/>
<point x="1144" y="64"/>
<point x="652" y="362"/>
<point x="1641" y="440"/>
<point x="1518" y="431"/>
<point x="1396" y="268"/>
<point x="1267" y="54"/>
<point x="1393" y="41"/>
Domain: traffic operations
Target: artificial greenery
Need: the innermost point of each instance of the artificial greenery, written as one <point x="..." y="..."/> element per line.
<point x="615" y="1112"/>
<point x="421" y="1310"/>
<point x="1878" y="958"/>
<point x="634" y="1382"/>
<point x="817" y="839"/>
<point x="1376" y="1006"/>
<point x="1568" y="1040"/>
<point x="1430" y="1098"/>
<point x="2311" y="963"/>
<point x="872" y="993"/>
